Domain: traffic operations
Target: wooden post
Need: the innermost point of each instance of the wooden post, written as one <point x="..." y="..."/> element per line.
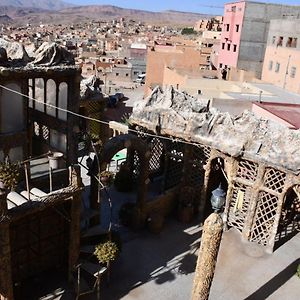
<point x="3" y="203"/>
<point x="27" y="180"/>
<point x="6" y="285"/>
<point x="74" y="240"/>
<point x="210" y="243"/>
<point x="50" y="179"/>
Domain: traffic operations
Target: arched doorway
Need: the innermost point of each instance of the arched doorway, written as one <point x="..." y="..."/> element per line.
<point x="217" y="177"/>
<point x="289" y="223"/>
<point x="137" y="162"/>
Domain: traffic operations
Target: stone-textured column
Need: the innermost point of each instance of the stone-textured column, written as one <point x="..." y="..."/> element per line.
<point x="6" y="285"/>
<point x="207" y="258"/>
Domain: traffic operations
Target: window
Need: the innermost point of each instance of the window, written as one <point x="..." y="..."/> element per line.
<point x="289" y="42"/>
<point x="234" y="48"/>
<point x="126" y="74"/>
<point x="228" y="47"/>
<point x="223" y="45"/>
<point x="280" y="41"/>
<point x="293" y="72"/>
<point x="237" y="28"/>
<point x="273" y="40"/>
<point x="270" y="65"/>
<point x="233" y="9"/>
<point x="117" y="74"/>
<point x="221" y="65"/>
<point x="227" y="27"/>
<point x="277" y="67"/>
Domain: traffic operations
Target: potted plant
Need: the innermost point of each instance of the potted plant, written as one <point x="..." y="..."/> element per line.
<point x="9" y="175"/>
<point x="106" y="253"/>
<point x="106" y="177"/>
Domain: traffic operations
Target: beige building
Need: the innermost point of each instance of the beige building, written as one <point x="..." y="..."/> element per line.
<point x="182" y="57"/>
<point x="282" y="59"/>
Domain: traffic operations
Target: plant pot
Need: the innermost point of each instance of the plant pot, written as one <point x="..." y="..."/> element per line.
<point x="56" y="160"/>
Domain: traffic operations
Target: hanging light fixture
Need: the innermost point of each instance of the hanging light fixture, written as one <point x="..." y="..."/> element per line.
<point x="218" y="198"/>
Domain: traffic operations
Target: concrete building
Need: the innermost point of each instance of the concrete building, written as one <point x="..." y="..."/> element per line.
<point x="188" y="58"/>
<point x="245" y="33"/>
<point x="282" y="59"/>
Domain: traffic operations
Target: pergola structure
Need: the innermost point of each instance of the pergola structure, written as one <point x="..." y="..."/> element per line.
<point x="38" y="234"/>
<point x="194" y="150"/>
<point x="29" y="127"/>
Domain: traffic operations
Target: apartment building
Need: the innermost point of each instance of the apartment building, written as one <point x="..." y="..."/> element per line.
<point x="282" y="58"/>
<point x="245" y="33"/>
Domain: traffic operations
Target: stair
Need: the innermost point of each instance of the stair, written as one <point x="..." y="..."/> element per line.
<point x="88" y="213"/>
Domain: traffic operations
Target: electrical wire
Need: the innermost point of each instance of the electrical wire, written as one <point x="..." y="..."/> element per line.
<point x="96" y="120"/>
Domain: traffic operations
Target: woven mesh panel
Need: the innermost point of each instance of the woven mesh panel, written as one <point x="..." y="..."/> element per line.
<point x="247" y="170"/>
<point x="274" y="179"/>
<point x="236" y="216"/>
<point x="264" y="218"/>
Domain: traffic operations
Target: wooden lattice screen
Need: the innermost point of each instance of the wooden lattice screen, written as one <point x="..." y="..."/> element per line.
<point x="242" y="185"/>
<point x="155" y="162"/>
<point x="174" y="164"/>
<point x="289" y="223"/>
<point x="267" y="204"/>
<point x="136" y="165"/>
<point x="39" y="242"/>
<point x="199" y="157"/>
<point x="264" y="218"/>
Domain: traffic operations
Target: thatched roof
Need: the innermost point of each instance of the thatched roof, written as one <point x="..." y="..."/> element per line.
<point x="180" y="115"/>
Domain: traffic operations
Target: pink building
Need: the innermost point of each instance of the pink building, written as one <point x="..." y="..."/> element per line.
<point x="245" y="33"/>
<point x="231" y="34"/>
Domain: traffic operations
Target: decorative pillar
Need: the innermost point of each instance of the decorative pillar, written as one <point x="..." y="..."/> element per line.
<point x="207" y="258"/>
<point x="6" y="284"/>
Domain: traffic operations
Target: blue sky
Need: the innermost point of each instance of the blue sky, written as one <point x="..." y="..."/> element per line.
<point x="182" y="5"/>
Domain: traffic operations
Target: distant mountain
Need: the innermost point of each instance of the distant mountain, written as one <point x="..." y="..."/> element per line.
<point x="43" y="4"/>
<point x="5" y="19"/>
<point x="44" y="12"/>
<point x="109" y="11"/>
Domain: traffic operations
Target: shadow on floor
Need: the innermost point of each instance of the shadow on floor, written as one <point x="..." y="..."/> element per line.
<point x="276" y="282"/>
<point x="154" y="258"/>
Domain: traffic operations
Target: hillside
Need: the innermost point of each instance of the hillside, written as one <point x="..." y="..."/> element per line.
<point x="76" y="14"/>
<point x="42" y="4"/>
